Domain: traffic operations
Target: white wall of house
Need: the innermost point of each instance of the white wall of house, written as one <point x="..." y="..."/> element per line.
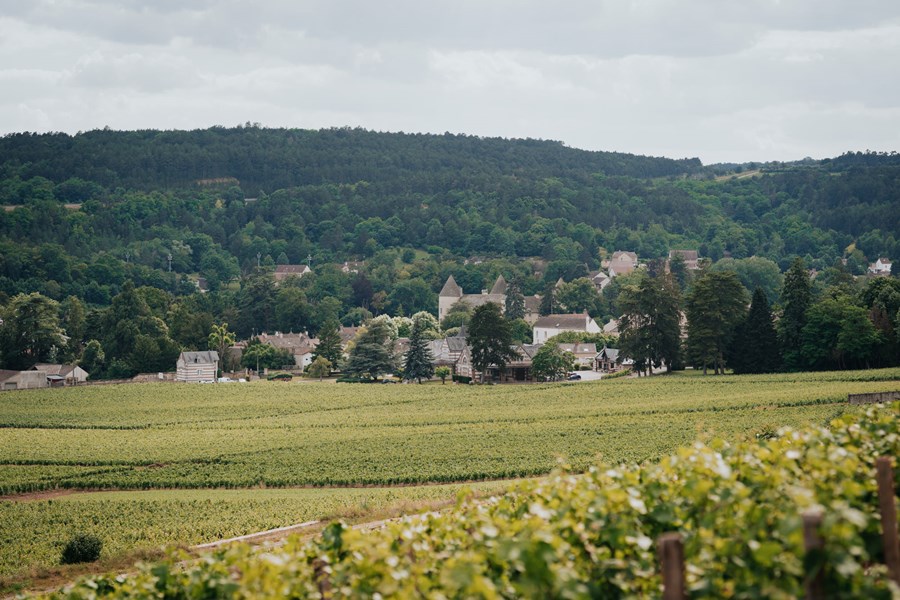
<point x="542" y="334"/>
<point x="196" y="372"/>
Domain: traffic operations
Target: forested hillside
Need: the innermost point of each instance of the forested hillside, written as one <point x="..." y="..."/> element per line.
<point x="83" y="214"/>
<point x="265" y="160"/>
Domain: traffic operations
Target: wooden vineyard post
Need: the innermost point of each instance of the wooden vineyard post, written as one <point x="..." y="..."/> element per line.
<point x="812" y="542"/>
<point x="885" y="477"/>
<point x="671" y="557"/>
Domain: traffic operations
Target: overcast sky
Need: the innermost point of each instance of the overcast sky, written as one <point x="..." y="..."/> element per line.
<point x="719" y="79"/>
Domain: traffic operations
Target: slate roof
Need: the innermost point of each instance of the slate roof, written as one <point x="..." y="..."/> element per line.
<point x="347" y="334"/>
<point x="579" y="348"/>
<point x="451" y="288"/>
<point x="610" y="353"/>
<point x="577" y="321"/>
<point x="476" y="300"/>
<point x="611" y="327"/>
<point x="685" y="254"/>
<point x="205" y="357"/>
<point x="288" y="341"/>
<point x="499" y="286"/>
<point x="457" y="342"/>
<point x="50" y="369"/>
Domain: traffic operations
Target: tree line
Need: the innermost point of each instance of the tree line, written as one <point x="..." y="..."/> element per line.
<point x="717" y="325"/>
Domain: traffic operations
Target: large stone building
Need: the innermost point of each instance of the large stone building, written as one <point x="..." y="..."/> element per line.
<point x="451" y="293"/>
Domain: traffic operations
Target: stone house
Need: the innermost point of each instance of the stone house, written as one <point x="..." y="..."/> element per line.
<point x="284" y="271"/>
<point x="584" y="353"/>
<point x="691" y="258"/>
<point x="622" y="263"/>
<point x="608" y="360"/>
<point x="882" y="266"/>
<point x="196" y="367"/>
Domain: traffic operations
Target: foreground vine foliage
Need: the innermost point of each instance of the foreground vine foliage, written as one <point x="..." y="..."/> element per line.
<point x="593" y="535"/>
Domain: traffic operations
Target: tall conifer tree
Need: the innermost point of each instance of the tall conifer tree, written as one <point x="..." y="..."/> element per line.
<point x="419" y="360"/>
<point x="796" y="297"/>
<point x="329" y="346"/>
<point x="756" y="348"/>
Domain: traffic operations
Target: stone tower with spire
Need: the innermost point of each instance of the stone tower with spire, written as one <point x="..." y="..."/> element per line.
<point x="450" y="294"/>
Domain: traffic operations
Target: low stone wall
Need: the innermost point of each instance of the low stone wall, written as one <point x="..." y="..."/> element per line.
<point x="876" y="398"/>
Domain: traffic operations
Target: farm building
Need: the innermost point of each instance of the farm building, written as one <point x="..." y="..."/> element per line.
<point x="66" y="374"/>
<point x="197" y="366"/>
<point x="23" y="380"/>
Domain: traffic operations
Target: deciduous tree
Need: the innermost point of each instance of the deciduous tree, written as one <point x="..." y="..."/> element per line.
<point x="30" y="332"/>
<point x="552" y="363"/>
<point x="320" y="367"/>
<point x="490" y="338"/>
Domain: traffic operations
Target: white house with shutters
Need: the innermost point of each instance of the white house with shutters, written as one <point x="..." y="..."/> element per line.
<point x="196" y="367"/>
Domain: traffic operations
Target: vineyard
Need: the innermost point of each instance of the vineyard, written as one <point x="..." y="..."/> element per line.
<point x="177" y="441"/>
<point x="276" y="435"/>
<point x="737" y="507"/>
<point x="33" y="531"/>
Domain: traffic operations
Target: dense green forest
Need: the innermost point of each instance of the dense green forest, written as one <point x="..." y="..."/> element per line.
<point x="85" y="213"/>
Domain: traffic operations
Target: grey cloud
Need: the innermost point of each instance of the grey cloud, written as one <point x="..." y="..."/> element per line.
<point x="754" y="80"/>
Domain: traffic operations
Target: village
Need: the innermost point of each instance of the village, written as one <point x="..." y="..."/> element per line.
<point x="590" y="347"/>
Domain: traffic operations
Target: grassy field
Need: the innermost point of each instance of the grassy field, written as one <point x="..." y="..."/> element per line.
<point x="281" y="434"/>
<point x="164" y="436"/>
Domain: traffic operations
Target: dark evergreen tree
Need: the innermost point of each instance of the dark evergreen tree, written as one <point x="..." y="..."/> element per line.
<point x="650" y="325"/>
<point x="489" y="336"/>
<point x="418" y="364"/>
<point x="549" y="305"/>
<point x="796" y="298"/>
<point x="373" y="354"/>
<point x="679" y="271"/>
<point x="755" y="348"/>
<point x="716" y="304"/>
<point x="256" y="302"/>
<point x="515" y="301"/>
<point x="329" y="346"/>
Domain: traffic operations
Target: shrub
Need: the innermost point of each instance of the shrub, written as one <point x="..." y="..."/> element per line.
<point x="280" y="377"/>
<point x="81" y="548"/>
<point x="461" y="379"/>
<point x="617" y="374"/>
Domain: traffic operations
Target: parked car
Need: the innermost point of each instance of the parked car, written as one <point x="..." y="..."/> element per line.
<point x="574" y="377"/>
